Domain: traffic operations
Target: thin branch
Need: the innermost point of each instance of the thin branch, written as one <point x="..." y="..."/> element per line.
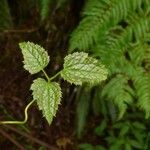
<point x="31" y="138"/>
<point x="20" y="31"/>
<point x="12" y="140"/>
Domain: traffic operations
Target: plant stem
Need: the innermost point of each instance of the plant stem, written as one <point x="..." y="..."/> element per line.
<point x="47" y="77"/>
<point x="55" y="76"/>
<point x="20" y="122"/>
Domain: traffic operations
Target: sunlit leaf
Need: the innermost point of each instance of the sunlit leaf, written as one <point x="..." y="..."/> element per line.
<point x="80" y="68"/>
<point x="35" y="57"/>
<point x="48" y="96"/>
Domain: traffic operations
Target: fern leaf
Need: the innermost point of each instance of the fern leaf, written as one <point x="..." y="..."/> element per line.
<point x="140" y="55"/>
<point x="116" y="45"/>
<point x="119" y="91"/>
<point x="142" y="86"/>
<point x="48" y="96"/>
<point x="146" y="60"/>
<point x="117" y="32"/>
<point x="79" y="68"/>
<point x="99" y="16"/>
<point x="35" y="57"/>
<point x="138" y="27"/>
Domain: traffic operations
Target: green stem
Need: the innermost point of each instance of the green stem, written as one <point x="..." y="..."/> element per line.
<point x="20" y="122"/>
<point x="57" y="74"/>
<point x="47" y="77"/>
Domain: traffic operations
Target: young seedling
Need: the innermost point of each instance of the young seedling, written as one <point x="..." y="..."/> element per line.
<point x="78" y="68"/>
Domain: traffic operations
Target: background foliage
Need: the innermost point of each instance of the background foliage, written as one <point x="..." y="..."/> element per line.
<point x="117" y="32"/>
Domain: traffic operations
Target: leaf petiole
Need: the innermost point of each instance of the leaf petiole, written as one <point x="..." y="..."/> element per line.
<point x="47" y="77"/>
<point x="53" y="77"/>
<point x="57" y="74"/>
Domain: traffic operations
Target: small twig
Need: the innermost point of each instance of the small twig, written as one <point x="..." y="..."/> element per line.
<point x="20" y="31"/>
<point x="12" y="140"/>
<point x="31" y="138"/>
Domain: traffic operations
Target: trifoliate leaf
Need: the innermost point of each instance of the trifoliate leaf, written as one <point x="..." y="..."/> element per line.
<point x="79" y="68"/>
<point x="48" y="96"/>
<point x="35" y="57"/>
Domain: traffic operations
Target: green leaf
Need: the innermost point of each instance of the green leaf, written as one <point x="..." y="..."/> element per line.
<point x="117" y="145"/>
<point x="99" y="147"/>
<point x="124" y="130"/>
<point x="79" y="68"/>
<point x="136" y="144"/>
<point x="142" y="88"/>
<point x="85" y="146"/>
<point x="119" y="91"/>
<point x="35" y="57"/>
<point x="128" y="146"/>
<point x="100" y="129"/>
<point x="139" y="125"/>
<point x="48" y="96"/>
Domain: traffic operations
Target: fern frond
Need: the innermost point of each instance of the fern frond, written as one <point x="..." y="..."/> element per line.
<point x="118" y="33"/>
<point x="5" y="16"/>
<point x="137" y="29"/>
<point x="137" y="54"/>
<point x="119" y="92"/>
<point x="142" y="86"/>
<point x="99" y="16"/>
<point x="146" y="60"/>
<point x="118" y="43"/>
<point x="140" y="55"/>
<point x="146" y="6"/>
<point x="140" y="26"/>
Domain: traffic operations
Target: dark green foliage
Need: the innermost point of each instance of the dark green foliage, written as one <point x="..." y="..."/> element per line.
<point x="131" y="135"/>
<point x="98" y="17"/>
<point x="87" y="146"/>
<point x="123" y="135"/>
<point x="83" y="102"/>
<point x="45" y="8"/>
<point x="124" y="96"/>
<point x="117" y="32"/>
<point x="5" y="16"/>
<point x="142" y="85"/>
<point x="48" y="6"/>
